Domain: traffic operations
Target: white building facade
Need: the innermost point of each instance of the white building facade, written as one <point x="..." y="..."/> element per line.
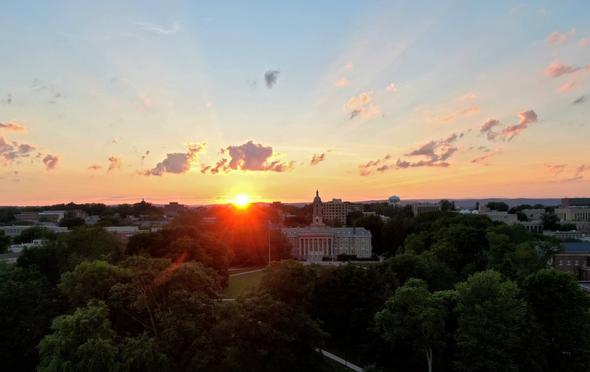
<point x="320" y="242"/>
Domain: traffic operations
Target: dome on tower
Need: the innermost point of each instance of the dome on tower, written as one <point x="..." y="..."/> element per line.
<point x="317" y="198"/>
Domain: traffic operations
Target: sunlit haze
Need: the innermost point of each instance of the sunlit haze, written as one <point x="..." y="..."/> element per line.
<point x="196" y="102"/>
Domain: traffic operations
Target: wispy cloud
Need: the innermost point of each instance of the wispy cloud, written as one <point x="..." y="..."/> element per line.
<point x="318" y="158"/>
<point x="342" y="83"/>
<point x="557" y="69"/>
<point x="557" y="37"/>
<point x="584" y="42"/>
<point x="362" y="106"/>
<point x="579" y="100"/>
<point x="391" y="88"/>
<point x="12" y="126"/>
<point x="115" y="162"/>
<point x="525" y="119"/>
<point x="566" y="87"/>
<point x="159" y="29"/>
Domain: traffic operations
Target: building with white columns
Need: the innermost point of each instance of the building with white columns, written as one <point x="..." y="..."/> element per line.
<point x="319" y="242"/>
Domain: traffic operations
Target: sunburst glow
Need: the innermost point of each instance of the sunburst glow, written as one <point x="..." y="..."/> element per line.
<point x="241" y="201"/>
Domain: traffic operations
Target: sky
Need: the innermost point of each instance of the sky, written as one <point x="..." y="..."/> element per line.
<point x="118" y="101"/>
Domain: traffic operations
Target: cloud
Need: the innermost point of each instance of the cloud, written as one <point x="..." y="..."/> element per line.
<point x="8" y="99"/>
<point x="487" y="128"/>
<point x="50" y="161"/>
<point x="451" y="116"/>
<point x="578" y="174"/>
<point x="158" y="29"/>
<point x="343" y="82"/>
<point x="114" y="163"/>
<point x="566" y="87"/>
<point x="391" y="88"/>
<point x="463" y="106"/>
<point x="271" y="77"/>
<point x="317" y="158"/>
<point x="579" y="100"/>
<point x="11" y="151"/>
<point x="177" y="163"/>
<point x="555" y="169"/>
<point x="584" y="42"/>
<point x="248" y="157"/>
<point x="525" y="118"/>
<point x="560" y="37"/>
<point x="362" y="106"/>
<point x="484" y="159"/>
<point x="557" y="69"/>
<point x="435" y="153"/>
<point x="12" y="126"/>
<point x="95" y="167"/>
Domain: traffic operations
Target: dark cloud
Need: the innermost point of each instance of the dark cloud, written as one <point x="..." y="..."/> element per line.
<point x="525" y="119"/>
<point x="248" y="157"/>
<point x="317" y="158"/>
<point x="50" y="161"/>
<point x="271" y="77"/>
<point x="579" y="100"/>
<point x="177" y="163"/>
<point x="12" y="126"/>
<point x="95" y="167"/>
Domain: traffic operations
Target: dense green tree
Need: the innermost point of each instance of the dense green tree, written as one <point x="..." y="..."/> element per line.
<point x="269" y="335"/>
<point x="498" y="206"/>
<point x="345" y="300"/>
<point x="550" y="221"/>
<point x="490" y="318"/>
<point x="560" y="307"/>
<point x="413" y="315"/>
<point x="45" y="259"/>
<point x="290" y="282"/>
<point x="447" y="206"/>
<point x="84" y="244"/>
<point x="90" y="280"/>
<point x="27" y="305"/>
<point x="4" y="242"/>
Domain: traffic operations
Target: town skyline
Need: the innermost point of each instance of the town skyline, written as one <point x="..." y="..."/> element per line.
<point x="115" y="103"/>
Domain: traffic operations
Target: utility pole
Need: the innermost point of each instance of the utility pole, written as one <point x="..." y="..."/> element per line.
<point x="269" y="242"/>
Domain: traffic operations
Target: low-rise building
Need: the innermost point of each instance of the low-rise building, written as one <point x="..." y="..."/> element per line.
<point x="31" y="217"/>
<point x="496" y="216"/>
<point x="18" y="248"/>
<point x="574" y="259"/>
<point x="421" y="208"/>
<point x="565" y="235"/>
<point x="573" y="214"/>
<point x="124" y="232"/>
<point x="51" y="216"/>
<point x="16" y="230"/>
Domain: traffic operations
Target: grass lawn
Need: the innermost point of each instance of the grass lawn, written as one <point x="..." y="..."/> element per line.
<point x="241" y="284"/>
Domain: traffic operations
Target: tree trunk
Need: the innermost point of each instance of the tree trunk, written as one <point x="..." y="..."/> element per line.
<point x="429" y="358"/>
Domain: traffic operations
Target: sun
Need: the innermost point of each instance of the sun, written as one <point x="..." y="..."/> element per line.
<point x="241" y="201"/>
